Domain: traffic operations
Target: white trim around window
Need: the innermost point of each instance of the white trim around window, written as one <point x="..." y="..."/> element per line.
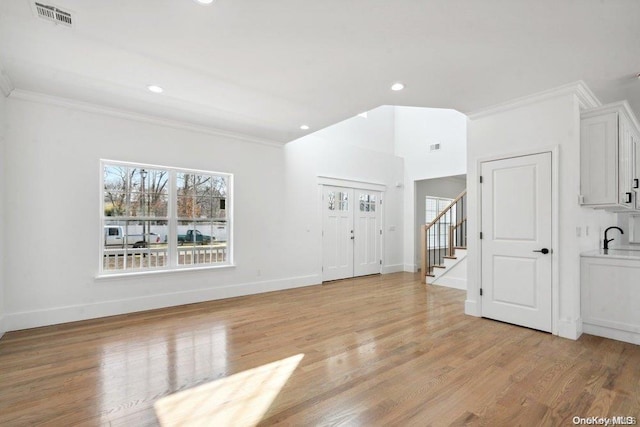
<point x="159" y="218"/>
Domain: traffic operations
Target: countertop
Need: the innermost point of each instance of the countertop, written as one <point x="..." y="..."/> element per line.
<point x="616" y="253"/>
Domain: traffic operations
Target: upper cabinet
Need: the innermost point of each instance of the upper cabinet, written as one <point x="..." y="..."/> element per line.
<point x="610" y="158"/>
<point x="635" y="137"/>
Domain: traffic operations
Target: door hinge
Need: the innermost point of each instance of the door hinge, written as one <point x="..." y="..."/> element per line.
<point x="381" y="231"/>
<point x="380" y="201"/>
<point x="480" y="291"/>
<point x="380" y="262"/>
<point x="480" y="179"/>
<point x="481" y="235"/>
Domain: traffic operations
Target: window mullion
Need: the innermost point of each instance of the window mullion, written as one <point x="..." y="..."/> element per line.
<point x="172" y="235"/>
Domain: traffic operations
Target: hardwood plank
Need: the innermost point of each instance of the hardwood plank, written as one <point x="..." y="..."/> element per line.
<point x="378" y="350"/>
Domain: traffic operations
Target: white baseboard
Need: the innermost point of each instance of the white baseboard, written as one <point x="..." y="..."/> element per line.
<point x="614" y="334"/>
<point x="571" y="329"/>
<point x="411" y="268"/>
<point x="472" y="308"/>
<point x="451" y="282"/>
<point x="393" y="268"/>
<point x="53" y="316"/>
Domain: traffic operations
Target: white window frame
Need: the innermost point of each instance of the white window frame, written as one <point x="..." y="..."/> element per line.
<point x="172" y="222"/>
<point x="444" y="231"/>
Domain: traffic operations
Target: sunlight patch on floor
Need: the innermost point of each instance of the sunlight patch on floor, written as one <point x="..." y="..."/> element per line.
<point x="239" y="400"/>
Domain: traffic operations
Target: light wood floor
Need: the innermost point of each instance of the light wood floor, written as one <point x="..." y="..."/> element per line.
<point x="377" y="351"/>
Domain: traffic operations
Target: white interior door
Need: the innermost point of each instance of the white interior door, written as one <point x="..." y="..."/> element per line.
<point x="337" y="233"/>
<point x="516" y="232"/>
<point x="351" y="232"/>
<point x="367" y="241"/>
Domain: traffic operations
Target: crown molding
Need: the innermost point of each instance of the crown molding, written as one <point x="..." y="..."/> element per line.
<point x="585" y="96"/>
<point x="6" y="85"/>
<point x="621" y="107"/>
<point x="41" y="98"/>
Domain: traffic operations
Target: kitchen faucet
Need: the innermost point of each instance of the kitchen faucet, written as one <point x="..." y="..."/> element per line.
<point x="606" y="241"/>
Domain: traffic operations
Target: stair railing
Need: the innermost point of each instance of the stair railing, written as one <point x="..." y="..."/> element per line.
<point x="441" y="236"/>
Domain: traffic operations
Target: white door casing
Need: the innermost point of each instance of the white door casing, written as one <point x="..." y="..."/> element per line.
<point x="351" y="232"/>
<point x="516" y="206"/>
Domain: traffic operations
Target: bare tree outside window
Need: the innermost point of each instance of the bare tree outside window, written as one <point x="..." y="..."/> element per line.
<point x="150" y="212"/>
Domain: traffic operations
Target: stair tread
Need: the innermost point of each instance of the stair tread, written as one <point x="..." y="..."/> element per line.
<point x="450" y="257"/>
<point x="431" y="275"/>
<point x="459" y="247"/>
<point x="438" y="266"/>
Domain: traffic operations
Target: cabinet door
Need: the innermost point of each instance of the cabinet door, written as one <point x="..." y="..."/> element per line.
<point x="599" y="160"/>
<point x="626" y="164"/>
<point x="636" y="169"/>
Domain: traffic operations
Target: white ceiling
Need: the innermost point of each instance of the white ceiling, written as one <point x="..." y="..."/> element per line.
<point x="264" y="67"/>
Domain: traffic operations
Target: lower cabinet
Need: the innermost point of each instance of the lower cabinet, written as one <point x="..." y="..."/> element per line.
<point x="610" y="297"/>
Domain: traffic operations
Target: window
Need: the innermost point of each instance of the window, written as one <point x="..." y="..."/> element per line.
<point x="342" y="202"/>
<point x="433" y="206"/>
<point x="161" y="218"/>
<point x="367" y="203"/>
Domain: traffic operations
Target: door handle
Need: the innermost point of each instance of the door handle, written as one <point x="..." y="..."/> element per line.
<point x="543" y="251"/>
<point x="629" y="197"/>
<point x="636" y="183"/>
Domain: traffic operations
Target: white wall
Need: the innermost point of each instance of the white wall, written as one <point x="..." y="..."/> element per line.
<point x="447" y="187"/>
<point x="376" y="132"/>
<point x="52" y="158"/>
<point x="537" y="126"/>
<point x="415" y="130"/>
<point x="3" y="115"/>
<point x="311" y="157"/>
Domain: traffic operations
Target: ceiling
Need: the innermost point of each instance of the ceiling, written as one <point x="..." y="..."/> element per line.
<point x="265" y="67"/>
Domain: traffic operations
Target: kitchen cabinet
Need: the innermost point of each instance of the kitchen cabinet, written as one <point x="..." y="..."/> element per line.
<point x="610" y="294"/>
<point x="635" y="136"/>
<point x="609" y="163"/>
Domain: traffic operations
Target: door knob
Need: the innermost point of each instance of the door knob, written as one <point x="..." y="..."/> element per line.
<point x="543" y="250"/>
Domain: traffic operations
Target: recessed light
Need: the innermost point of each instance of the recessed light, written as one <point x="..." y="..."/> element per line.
<point x="363" y="115"/>
<point x="397" y="86"/>
<point x="304" y="127"/>
<point x="204" y="1"/>
<point x="155" y="89"/>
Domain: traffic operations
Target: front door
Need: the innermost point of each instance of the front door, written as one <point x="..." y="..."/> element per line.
<point x="516" y="240"/>
<point x="337" y="233"/>
<point x="367" y="233"/>
<point x="351" y="233"/>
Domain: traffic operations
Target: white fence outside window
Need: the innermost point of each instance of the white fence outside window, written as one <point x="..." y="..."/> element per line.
<point x="163" y="218"/>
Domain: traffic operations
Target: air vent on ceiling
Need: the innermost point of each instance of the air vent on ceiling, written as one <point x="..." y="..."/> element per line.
<point x="54" y="14"/>
<point x="434" y="147"/>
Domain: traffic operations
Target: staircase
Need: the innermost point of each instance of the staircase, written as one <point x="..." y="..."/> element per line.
<point x="453" y="272"/>
<point x="444" y="245"/>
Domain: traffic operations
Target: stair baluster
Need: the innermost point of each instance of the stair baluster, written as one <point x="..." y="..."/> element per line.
<point x="454" y="218"/>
